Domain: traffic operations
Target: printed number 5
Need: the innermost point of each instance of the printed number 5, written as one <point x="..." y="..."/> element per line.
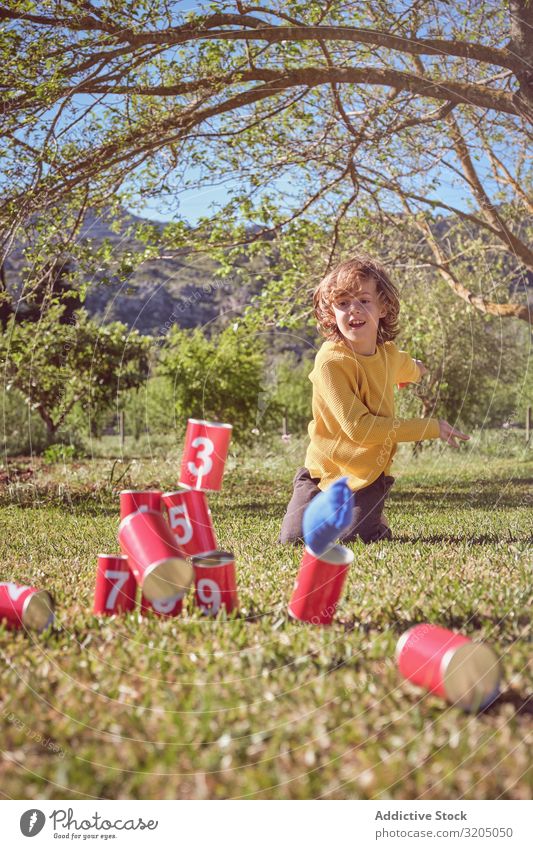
<point x="209" y="594"/>
<point x="180" y="523"/>
<point x="206" y="449"/>
<point x="120" y="579"/>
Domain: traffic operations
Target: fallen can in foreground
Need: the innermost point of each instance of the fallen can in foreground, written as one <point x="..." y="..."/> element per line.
<point x="158" y="564"/>
<point x="116" y="586"/>
<point x="216" y="585"/>
<point x="319" y="584"/>
<point x="25" y="607"/>
<point x="465" y="673"/>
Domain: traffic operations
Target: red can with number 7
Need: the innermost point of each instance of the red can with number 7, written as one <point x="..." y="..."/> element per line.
<point x="116" y="586"/>
<point x="204" y="455"/>
<point x="215" y="582"/>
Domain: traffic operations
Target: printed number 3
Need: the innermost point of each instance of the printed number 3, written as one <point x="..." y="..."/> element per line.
<point x="206" y="447"/>
<point x="209" y="594"/>
<point x="120" y="579"/>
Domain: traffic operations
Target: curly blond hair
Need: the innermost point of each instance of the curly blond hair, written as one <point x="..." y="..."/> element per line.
<point x="349" y="277"/>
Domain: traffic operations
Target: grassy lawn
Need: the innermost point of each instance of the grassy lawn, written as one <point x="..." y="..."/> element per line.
<point x="259" y="706"/>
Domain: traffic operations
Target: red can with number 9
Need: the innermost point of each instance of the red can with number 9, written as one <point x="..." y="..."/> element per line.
<point x="204" y="455"/>
<point x="216" y="585"/>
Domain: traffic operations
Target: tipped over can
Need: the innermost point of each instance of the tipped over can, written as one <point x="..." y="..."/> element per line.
<point x="452" y="666"/>
<point x="319" y="584"/>
<point x="158" y="564"/>
<point x="25" y="607"/>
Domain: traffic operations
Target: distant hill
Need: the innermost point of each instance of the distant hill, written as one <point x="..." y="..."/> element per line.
<point x="162" y="292"/>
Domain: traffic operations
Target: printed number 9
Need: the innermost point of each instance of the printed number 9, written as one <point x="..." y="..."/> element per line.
<point x="180" y="523"/>
<point x="209" y="594"/>
<point x="206" y="447"/>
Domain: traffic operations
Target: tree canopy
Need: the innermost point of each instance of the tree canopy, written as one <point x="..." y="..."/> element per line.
<point x="318" y="112"/>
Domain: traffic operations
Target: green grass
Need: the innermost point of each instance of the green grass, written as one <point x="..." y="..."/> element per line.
<point x="259" y="706"/>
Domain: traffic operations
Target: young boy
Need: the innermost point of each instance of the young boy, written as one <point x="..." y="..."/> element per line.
<point x="354" y="429"/>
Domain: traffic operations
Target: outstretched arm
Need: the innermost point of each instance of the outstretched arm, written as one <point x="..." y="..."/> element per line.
<point x="342" y="408"/>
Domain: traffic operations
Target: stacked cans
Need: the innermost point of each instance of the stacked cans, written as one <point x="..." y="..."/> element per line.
<point x="168" y="540"/>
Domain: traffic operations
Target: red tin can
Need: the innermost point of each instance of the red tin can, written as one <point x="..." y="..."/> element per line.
<point x="204" y="455"/>
<point x="116" y="587"/>
<point x="154" y="558"/>
<point x="190" y="521"/>
<point x="216" y="585"/>
<point x="168" y="607"/>
<point x="132" y="500"/>
<point x="402" y="385"/>
<point x="319" y="584"/>
<point x="25" y="607"/>
<point x="450" y="665"/>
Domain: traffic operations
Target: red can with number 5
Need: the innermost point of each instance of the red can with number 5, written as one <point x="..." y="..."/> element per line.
<point x="216" y="585"/>
<point x="116" y="586"/>
<point x="204" y="455"/>
<point x="190" y="521"/>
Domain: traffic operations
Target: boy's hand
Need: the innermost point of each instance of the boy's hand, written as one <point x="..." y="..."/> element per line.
<point x="423" y="369"/>
<point x="449" y="434"/>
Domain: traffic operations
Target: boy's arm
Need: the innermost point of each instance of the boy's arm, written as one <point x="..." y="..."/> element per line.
<point x="342" y="407"/>
<point x="408" y="370"/>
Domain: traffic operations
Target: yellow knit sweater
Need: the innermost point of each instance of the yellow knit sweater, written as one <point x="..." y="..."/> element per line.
<point x="354" y="430"/>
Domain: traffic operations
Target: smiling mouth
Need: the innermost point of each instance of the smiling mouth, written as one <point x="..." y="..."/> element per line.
<point x="357" y="324"/>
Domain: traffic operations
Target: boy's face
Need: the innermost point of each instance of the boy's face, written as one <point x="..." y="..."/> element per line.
<point x="357" y="314"/>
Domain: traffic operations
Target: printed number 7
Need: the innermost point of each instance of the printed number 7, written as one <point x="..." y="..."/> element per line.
<point x="206" y="449"/>
<point x="209" y="594"/>
<point x="120" y="579"/>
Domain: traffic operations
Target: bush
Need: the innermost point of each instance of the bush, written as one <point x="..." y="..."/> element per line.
<point x="220" y="378"/>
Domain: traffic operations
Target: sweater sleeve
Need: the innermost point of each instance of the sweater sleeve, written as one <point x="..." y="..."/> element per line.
<point x="358" y="423"/>
<point x="407" y="370"/>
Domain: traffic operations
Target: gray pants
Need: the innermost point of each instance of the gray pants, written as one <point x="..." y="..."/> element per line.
<point x="368" y="522"/>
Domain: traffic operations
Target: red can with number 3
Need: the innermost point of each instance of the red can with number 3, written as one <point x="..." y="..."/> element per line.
<point x="216" y="585"/>
<point x="204" y="455"/>
<point x="116" y="586"/>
